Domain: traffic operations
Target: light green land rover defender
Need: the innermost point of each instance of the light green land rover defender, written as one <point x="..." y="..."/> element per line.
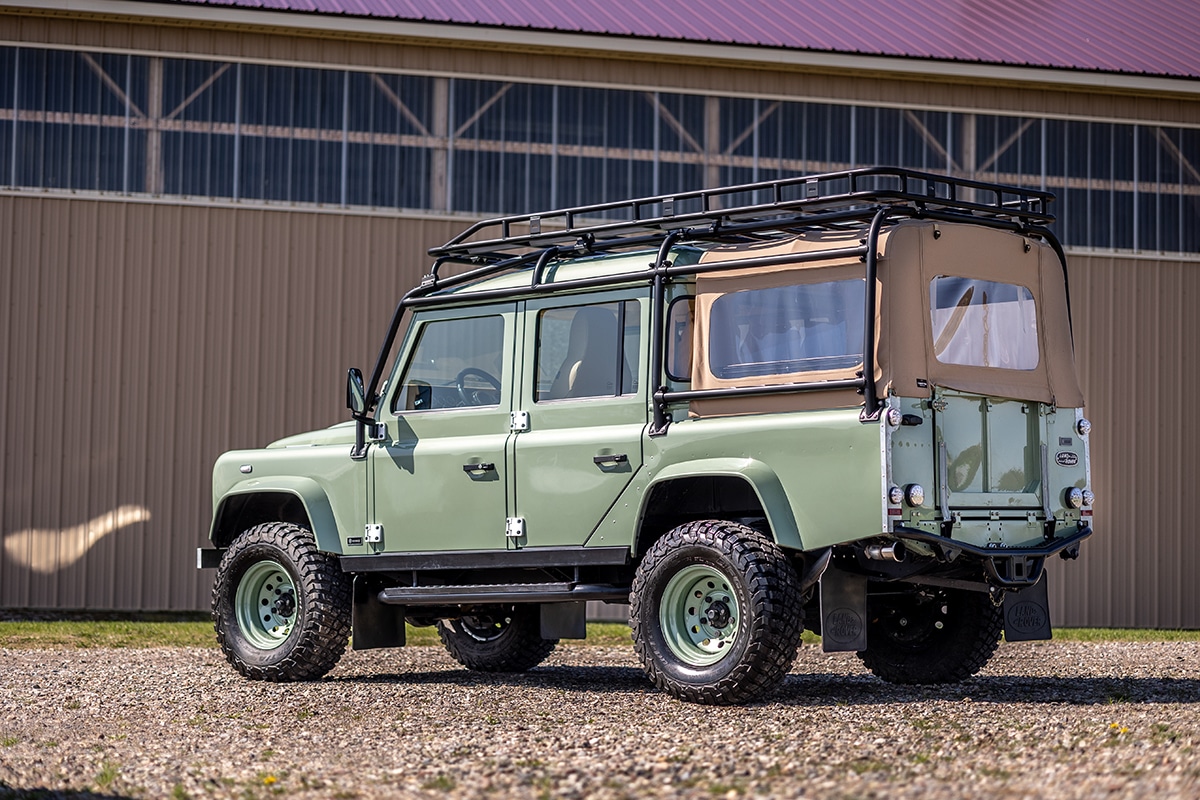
<point x="846" y="402"/>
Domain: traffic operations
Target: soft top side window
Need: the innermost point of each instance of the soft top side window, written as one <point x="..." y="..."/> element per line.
<point x="456" y="363"/>
<point x="978" y="323"/>
<point x="783" y="330"/>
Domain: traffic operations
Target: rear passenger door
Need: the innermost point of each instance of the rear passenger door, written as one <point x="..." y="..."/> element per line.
<point x="582" y="384"/>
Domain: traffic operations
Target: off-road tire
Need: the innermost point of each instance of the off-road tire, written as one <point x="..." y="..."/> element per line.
<point x="765" y="593"/>
<point x="320" y="621"/>
<point x="919" y="653"/>
<point x="502" y="639"/>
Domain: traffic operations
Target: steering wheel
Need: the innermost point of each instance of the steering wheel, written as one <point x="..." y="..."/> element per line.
<point x="477" y="397"/>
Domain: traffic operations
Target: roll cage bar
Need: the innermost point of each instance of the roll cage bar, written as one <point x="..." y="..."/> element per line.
<point x="845" y="200"/>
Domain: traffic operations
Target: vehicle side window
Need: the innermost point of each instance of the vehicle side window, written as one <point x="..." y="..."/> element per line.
<point x="680" y="325"/>
<point x="456" y="363"/>
<point x="980" y="323"/>
<point x="588" y="351"/>
<point x="787" y="329"/>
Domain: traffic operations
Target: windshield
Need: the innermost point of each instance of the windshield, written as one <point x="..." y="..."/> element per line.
<point x="980" y="323"/>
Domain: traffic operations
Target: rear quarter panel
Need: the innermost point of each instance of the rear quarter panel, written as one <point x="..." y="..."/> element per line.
<point x="818" y="473"/>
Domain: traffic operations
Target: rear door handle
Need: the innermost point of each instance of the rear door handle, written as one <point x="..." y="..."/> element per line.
<point x="486" y="466"/>
<point x="611" y="458"/>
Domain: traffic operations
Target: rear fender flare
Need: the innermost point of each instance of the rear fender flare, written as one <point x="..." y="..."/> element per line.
<point x="762" y="480"/>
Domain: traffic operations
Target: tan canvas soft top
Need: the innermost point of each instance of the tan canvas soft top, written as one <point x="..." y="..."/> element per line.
<point x="913" y="253"/>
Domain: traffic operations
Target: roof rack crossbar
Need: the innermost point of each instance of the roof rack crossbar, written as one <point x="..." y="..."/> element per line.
<point x="786" y="196"/>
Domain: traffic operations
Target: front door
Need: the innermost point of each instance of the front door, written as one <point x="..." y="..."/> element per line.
<point x="587" y="413"/>
<point x="441" y="478"/>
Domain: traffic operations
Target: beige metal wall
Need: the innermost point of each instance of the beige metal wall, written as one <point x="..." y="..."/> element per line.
<point x="142" y="339"/>
<point x="1138" y="349"/>
<point x="138" y="342"/>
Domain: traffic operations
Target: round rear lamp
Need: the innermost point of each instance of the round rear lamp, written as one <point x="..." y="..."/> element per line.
<point x="915" y="494"/>
<point x="894" y="417"/>
<point x="895" y="495"/>
<point x="1075" y="497"/>
<point x="1089" y="498"/>
<point x="1083" y="426"/>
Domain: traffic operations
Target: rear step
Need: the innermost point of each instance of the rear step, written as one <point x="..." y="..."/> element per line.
<point x="501" y="593"/>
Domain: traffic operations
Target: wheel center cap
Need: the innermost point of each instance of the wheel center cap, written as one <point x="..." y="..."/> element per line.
<point x="717" y="615"/>
<point x="285" y="605"/>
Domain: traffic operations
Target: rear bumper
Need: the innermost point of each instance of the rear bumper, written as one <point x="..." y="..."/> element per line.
<point x="1009" y="567"/>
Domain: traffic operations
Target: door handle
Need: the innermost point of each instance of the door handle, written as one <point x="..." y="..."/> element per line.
<point x="486" y="466"/>
<point x="611" y="458"/>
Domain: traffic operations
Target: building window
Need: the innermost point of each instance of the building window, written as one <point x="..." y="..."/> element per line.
<point x="131" y="124"/>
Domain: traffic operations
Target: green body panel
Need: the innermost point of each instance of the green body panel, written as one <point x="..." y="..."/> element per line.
<point x="560" y="491"/>
<point x="991" y="476"/>
<point x="420" y="492"/>
<point x="597" y="266"/>
<point x="817" y="474"/>
<point x="334" y="497"/>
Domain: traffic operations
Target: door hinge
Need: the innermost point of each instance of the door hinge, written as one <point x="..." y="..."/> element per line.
<point x="518" y="421"/>
<point x="514" y="527"/>
<point x="374" y="533"/>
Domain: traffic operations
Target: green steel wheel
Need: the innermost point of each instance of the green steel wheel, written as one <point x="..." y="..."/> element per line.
<point x="281" y="607"/>
<point x="265" y="604"/>
<point x="716" y="613"/>
<point x="699" y="615"/>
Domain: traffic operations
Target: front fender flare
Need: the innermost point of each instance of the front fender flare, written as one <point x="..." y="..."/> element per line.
<point x="762" y="479"/>
<point x="310" y="494"/>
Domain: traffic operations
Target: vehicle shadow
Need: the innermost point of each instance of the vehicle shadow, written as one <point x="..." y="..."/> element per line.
<point x="563" y="678"/>
<point x="8" y="792"/>
<point x="825" y="689"/>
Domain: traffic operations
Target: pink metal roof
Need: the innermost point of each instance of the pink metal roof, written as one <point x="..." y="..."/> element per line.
<point x="1151" y="37"/>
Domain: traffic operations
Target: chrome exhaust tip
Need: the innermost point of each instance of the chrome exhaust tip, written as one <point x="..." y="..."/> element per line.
<point x="886" y="552"/>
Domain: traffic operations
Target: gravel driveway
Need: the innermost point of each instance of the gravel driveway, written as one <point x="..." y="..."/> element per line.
<point x="1060" y="720"/>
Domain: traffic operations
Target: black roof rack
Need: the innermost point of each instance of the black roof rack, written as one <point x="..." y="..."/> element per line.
<point x="785" y="203"/>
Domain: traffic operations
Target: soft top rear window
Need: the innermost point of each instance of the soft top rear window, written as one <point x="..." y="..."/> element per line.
<point x="980" y="323"/>
<point x="811" y="327"/>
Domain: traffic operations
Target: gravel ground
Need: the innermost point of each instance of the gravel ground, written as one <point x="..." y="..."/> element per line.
<point x="1058" y="720"/>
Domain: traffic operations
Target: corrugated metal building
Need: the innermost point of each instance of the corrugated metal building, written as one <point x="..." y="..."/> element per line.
<point x="207" y="211"/>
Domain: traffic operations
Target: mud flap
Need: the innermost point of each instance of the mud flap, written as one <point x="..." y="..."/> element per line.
<point x="1027" y="613"/>
<point x="564" y="620"/>
<point x="374" y="624"/>
<point x="843" y="611"/>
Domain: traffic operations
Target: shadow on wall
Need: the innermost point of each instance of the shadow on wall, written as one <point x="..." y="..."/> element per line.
<point x="47" y="550"/>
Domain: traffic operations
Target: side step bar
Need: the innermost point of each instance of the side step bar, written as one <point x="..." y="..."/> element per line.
<point x="501" y="593"/>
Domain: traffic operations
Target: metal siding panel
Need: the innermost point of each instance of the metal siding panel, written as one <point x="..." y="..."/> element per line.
<point x="187" y="331"/>
<point x="1135" y="336"/>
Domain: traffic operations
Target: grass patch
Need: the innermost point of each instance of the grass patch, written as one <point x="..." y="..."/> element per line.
<point x="76" y="634"/>
<point x="83" y="631"/>
<point x="1124" y="635"/>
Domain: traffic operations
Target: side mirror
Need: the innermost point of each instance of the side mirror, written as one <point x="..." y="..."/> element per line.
<point x="356" y="393"/>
